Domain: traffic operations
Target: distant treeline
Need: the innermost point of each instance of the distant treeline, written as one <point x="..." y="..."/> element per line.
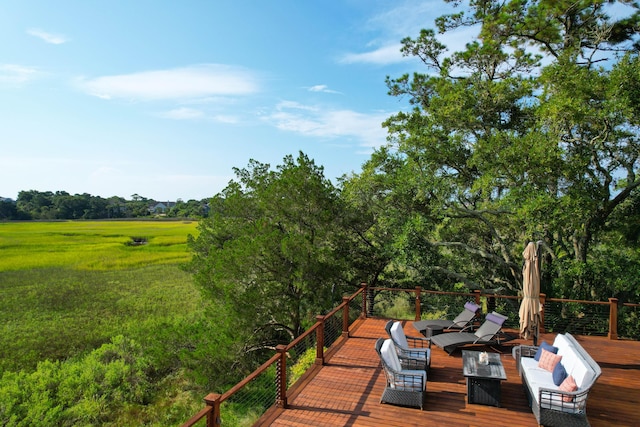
<point x="48" y="205"/>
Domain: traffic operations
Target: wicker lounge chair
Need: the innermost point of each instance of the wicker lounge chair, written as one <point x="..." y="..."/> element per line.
<point x="489" y="333"/>
<point x="404" y="387"/>
<point x="437" y="326"/>
<point x="414" y="353"/>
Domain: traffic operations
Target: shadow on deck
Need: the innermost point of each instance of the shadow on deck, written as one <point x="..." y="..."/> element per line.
<point x="346" y="390"/>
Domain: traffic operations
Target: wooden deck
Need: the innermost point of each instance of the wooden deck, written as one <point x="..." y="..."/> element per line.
<point x="346" y="390"/>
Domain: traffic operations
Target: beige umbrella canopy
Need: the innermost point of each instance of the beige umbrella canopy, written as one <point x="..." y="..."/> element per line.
<point x="530" y="306"/>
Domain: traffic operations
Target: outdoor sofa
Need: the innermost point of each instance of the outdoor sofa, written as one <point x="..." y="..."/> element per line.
<point x="557" y="379"/>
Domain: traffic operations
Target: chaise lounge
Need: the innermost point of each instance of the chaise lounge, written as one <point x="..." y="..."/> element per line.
<point x="432" y="327"/>
<point x="489" y="333"/>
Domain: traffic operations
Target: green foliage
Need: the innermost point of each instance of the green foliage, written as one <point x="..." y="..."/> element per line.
<point x="76" y="392"/>
<point x="48" y="205"/>
<point x="272" y="251"/>
<point x="502" y="148"/>
<point x="303" y="362"/>
<point x="394" y="306"/>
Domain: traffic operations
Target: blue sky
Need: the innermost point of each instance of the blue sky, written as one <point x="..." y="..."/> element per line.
<point x="162" y="99"/>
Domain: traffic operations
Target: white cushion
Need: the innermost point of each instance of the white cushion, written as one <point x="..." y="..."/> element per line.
<point x="582" y="374"/>
<point x="398" y="335"/>
<point x="390" y="356"/>
<point x="562" y="343"/>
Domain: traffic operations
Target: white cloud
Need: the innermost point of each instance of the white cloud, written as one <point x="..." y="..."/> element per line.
<point x="225" y="118"/>
<point x="192" y="82"/>
<point x="389" y="54"/>
<point x="322" y="88"/>
<point x="404" y="19"/>
<point x="16" y="74"/>
<point x="47" y="37"/>
<point x="183" y="113"/>
<point x="282" y="105"/>
<point x="312" y="121"/>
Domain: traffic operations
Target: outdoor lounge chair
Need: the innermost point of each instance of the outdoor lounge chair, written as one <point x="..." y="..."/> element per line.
<point x="414" y="353"/>
<point x="489" y="333"/>
<point x="431" y="327"/>
<point x="404" y="387"/>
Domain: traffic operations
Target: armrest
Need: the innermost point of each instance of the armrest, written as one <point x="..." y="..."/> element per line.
<point x="413" y="353"/>
<point x="554" y="399"/>
<point x="523" y="351"/>
<point x="415" y="342"/>
<point x="409" y="381"/>
<point x="528" y="350"/>
<point x="486" y="336"/>
<point x="467" y="328"/>
<point x="413" y="364"/>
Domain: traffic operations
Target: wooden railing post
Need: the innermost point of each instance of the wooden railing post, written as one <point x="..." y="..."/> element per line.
<point x="320" y="340"/>
<point x="418" y="308"/>
<point x="476" y="294"/>
<point x="213" y="417"/>
<point x="345" y="317"/>
<point x="367" y="300"/>
<point x="543" y="300"/>
<point x="281" y="377"/>
<point x="613" y="318"/>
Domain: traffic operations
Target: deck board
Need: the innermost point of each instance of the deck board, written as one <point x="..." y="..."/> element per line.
<point x="346" y="390"/>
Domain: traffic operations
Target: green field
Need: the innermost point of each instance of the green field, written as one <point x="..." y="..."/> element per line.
<point x="67" y="288"/>
<point x="92" y="245"/>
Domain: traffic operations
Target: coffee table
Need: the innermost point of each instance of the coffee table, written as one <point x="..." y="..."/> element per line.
<point x="483" y="381"/>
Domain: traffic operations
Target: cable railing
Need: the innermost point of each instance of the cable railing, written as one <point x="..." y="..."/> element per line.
<point x="268" y="386"/>
<point x="266" y="389"/>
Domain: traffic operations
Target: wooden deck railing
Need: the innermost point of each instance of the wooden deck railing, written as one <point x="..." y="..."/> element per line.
<point x="365" y="301"/>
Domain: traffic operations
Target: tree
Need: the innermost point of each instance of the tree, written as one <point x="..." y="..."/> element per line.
<point x="190" y="209"/>
<point x="8" y="209"/>
<point x="529" y="133"/>
<point x="270" y="250"/>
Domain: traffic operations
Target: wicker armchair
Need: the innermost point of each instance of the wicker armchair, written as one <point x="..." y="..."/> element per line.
<point x="404" y="387"/>
<point x="413" y="352"/>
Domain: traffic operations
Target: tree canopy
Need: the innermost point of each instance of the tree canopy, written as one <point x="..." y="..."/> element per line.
<point x="273" y="249"/>
<point x="529" y="133"/>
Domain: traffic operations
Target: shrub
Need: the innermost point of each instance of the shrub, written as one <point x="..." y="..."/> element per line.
<point x="76" y="392"/>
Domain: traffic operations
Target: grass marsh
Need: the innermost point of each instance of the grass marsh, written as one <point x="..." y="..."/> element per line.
<point x="92" y="245"/>
<point x="67" y="287"/>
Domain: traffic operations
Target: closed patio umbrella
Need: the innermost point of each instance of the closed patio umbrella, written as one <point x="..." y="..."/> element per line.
<point x="530" y="306"/>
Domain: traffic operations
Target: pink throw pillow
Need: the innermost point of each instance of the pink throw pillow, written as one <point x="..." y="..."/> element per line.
<point x="569" y="384"/>
<point x="548" y="360"/>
